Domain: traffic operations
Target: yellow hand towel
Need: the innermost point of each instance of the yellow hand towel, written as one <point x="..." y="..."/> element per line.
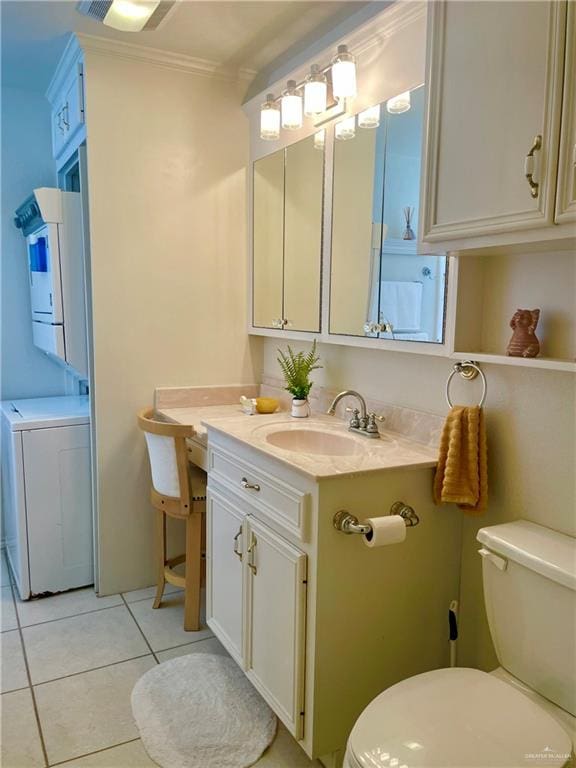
<point x="461" y="475"/>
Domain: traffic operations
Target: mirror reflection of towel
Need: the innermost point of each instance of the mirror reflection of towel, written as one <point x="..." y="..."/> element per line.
<point x="401" y="304"/>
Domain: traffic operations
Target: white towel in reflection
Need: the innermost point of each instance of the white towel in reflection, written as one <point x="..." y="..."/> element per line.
<point x="401" y="304"/>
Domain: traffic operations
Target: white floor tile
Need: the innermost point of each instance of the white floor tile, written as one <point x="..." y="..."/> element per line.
<point x="81" y="643"/>
<point x="164" y="626"/>
<point x="20" y="742"/>
<point x="285" y="752"/>
<point x="91" y="711"/>
<point x="211" y="645"/>
<point x="13" y="667"/>
<point x="131" y="755"/>
<point x="7" y="610"/>
<point x="148" y="593"/>
<point x="60" y="606"/>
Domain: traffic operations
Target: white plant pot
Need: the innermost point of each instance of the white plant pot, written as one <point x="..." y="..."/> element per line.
<point x="300" y="409"/>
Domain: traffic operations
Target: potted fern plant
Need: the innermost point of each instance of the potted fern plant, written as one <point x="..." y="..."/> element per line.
<point x="297" y="368"/>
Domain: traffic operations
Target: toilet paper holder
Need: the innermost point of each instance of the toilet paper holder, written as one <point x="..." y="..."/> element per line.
<point x="346" y="522"/>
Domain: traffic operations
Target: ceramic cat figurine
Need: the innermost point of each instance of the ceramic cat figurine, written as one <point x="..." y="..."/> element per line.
<point x="524" y="342"/>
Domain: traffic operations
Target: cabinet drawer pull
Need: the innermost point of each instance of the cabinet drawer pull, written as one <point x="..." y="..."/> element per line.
<point x="249" y="486"/>
<point x="529" y="165"/>
<point x="237" y="551"/>
<point x="252" y="552"/>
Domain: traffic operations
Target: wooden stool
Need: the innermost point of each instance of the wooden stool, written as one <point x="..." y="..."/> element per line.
<point x="178" y="490"/>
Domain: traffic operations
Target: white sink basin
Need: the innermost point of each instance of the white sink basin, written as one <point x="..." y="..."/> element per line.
<point x="314" y="441"/>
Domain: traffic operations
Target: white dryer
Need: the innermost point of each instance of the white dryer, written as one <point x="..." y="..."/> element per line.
<point x="46" y="493"/>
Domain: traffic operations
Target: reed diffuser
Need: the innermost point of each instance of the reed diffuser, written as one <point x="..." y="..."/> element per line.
<point x="408" y="232"/>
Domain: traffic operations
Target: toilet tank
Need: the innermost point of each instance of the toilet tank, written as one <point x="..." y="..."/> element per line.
<point x="529" y="575"/>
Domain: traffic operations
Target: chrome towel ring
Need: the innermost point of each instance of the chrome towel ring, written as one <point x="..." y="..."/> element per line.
<point x="468" y="369"/>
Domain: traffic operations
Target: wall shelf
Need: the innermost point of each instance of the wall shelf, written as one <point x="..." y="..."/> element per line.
<point x="549" y="363"/>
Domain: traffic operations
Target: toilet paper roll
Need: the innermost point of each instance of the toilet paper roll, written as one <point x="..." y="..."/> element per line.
<point x="385" y="530"/>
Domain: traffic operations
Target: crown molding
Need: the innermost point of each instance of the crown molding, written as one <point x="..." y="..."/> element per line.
<point x="362" y="40"/>
<point x="161" y="58"/>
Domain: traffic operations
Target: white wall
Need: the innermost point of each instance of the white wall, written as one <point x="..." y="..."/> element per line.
<point x="167" y="155"/>
<point x="26" y="163"/>
<point x="531" y="443"/>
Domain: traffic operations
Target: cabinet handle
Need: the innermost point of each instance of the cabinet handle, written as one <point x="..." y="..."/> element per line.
<point x="529" y="165"/>
<point x="65" y="116"/>
<point x="252" y="552"/>
<point x="249" y="486"/>
<point x="59" y="123"/>
<point x="236" y="551"/>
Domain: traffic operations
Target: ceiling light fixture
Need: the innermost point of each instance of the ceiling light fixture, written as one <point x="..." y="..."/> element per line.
<point x="344" y="74"/>
<point x="130" y="15"/>
<point x="291" y="107"/>
<point x="369" y="118"/>
<point x="270" y="119"/>
<point x="315" y="92"/>
<point x="399" y="104"/>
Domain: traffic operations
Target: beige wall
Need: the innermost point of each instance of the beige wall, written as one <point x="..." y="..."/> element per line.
<point x="532" y="448"/>
<point x="167" y="156"/>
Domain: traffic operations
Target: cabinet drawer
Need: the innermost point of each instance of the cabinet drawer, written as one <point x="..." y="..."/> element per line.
<point x="284" y="504"/>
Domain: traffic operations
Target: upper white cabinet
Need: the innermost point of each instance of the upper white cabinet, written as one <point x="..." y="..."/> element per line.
<point x="495" y="76"/>
<point x="566" y="196"/>
<point x="66" y="95"/>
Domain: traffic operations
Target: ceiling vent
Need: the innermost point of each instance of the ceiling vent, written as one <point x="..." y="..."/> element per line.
<point x="97" y="9"/>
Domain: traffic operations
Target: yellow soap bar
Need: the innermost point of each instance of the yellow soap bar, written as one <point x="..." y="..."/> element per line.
<point x="266" y="404"/>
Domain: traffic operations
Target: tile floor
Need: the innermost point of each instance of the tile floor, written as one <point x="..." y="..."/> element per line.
<point x="68" y="666"/>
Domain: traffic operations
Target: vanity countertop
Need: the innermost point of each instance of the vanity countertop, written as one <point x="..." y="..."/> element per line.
<point x="392" y="451"/>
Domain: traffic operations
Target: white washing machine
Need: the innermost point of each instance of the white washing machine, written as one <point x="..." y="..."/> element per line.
<point x="46" y="493"/>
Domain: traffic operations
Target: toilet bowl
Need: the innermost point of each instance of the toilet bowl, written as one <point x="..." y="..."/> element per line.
<point x="523" y="713"/>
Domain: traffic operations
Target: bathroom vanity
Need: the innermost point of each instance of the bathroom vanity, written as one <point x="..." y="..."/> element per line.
<point x="316" y="618"/>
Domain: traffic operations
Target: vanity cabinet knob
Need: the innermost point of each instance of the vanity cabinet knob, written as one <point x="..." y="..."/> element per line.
<point x="249" y="486"/>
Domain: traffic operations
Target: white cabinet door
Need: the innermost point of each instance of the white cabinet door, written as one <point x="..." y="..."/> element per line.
<point x="494" y="79"/>
<point x="224" y="572"/>
<point x="566" y="196"/>
<point x="58" y="507"/>
<point x="275" y="574"/>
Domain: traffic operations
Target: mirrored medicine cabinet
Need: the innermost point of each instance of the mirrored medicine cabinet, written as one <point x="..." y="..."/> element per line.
<point x="287" y="237"/>
<point x="379" y="286"/>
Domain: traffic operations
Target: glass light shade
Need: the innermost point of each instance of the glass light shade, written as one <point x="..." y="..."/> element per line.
<point x="270" y="119"/>
<point x="345" y="129"/>
<point x="319" y="139"/>
<point x="399" y="104"/>
<point x="291" y="107"/>
<point x="369" y="118"/>
<point x="130" y="15"/>
<point x="315" y="92"/>
<point x="343" y="74"/>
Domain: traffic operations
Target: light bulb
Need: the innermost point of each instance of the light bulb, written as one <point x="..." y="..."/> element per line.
<point x="345" y="129"/>
<point x="270" y="119"/>
<point x="369" y="118"/>
<point x="343" y="74"/>
<point x="291" y="107"/>
<point x="130" y="15"/>
<point x="319" y="139"/>
<point x="315" y="92"/>
<point x="399" y="104"/>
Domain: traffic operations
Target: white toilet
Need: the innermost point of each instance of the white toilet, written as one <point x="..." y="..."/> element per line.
<point x="523" y="713"/>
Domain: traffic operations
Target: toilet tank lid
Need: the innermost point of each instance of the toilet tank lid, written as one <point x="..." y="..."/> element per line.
<point x="547" y="552"/>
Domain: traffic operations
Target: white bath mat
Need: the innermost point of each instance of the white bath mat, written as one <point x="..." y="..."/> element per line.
<point x="200" y="711"/>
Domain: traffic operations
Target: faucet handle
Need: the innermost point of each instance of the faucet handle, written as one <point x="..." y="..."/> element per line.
<point x="354" y="421"/>
<point x="371" y="426"/>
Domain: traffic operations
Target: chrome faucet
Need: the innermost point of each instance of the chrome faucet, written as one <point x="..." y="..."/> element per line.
<point x="361" y="422"/>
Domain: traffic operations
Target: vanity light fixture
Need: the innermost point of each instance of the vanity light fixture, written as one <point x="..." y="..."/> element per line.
<point x="345" y="129"/>
<point x="270" y="119"/>
<point x="320" y="139"/>
<point x="130" y="15"/>
<point x="369" y="118"/>
<point x="344" y="74"/>
<point x="315" y="92"/>
<point x="291" y="107"/>
<point x="399" y="104"/>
